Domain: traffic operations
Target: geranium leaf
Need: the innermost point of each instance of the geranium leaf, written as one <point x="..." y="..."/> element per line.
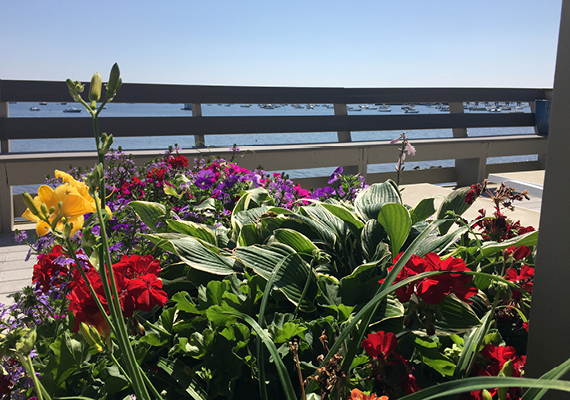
<point x="396" y="220"/>
<point x="370" y="200"/>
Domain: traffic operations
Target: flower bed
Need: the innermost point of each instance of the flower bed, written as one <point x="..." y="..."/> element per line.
<point x="211" y="281"/>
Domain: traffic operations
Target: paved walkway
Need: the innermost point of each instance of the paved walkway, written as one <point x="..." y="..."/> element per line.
<point x="16" y="273"/>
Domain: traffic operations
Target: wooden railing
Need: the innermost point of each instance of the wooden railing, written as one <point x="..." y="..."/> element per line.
<point x="470" y="153"/>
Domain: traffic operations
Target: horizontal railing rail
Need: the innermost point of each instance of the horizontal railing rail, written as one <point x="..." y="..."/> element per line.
<point x="470" y="153"/>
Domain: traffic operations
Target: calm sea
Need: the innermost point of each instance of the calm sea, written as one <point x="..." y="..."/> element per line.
<point x="161" y="143"/>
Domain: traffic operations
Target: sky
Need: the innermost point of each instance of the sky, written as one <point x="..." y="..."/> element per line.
<point x="316" y="43"/>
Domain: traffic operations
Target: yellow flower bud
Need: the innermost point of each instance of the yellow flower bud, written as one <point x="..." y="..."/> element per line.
<point x="29" y="202"/>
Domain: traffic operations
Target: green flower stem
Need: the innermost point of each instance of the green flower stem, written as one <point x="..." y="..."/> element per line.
<point x="108" y="278"/>
<point x="26" y="361"/>
<point x="91" y="289"/>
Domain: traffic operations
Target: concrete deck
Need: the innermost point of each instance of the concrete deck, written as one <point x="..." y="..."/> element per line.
<point x="16" y="273"/>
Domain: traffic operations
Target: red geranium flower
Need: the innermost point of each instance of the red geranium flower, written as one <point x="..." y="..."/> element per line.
<point x="147" y="292"/>
<point x="133" y="266"/>
<point x="522" y="278"/>
<point x="48" y="272"/>
<point x="433" y="290"/>
<point x="380" y="344"/>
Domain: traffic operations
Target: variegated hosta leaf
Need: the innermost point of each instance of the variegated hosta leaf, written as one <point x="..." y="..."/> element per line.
<point x="292" y="276"/>
<point x="370" y="200"/>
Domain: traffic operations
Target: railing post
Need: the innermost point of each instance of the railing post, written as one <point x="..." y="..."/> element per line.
<point x="548" y="344"/>
<point x="343" y="137"/>
<point x="6" y="199"/>
<point x="4" y="143"/>
<point x="199" y="140"/>
<point x="469" y="170"/>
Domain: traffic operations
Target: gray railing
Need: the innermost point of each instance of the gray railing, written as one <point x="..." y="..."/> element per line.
<point x="470" y="153"/>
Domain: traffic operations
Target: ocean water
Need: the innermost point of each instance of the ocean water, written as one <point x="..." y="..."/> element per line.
<point x="160" y="143"/>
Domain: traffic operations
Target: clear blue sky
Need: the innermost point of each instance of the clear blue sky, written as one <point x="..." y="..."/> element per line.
<point x="350" y="43"/>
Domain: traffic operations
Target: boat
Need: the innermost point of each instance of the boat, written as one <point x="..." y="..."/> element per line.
<point x="34" y="109"/>
<point x="72" y="110"/>
<point x="411" y="110"/>
<point x="64" y="103"/>
<point x="384" y="108"/>
<point x="187" y="107"/>
<point x="43" y="103"/>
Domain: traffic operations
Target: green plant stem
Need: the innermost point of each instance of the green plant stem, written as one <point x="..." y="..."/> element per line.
<point x="109" y="284"/>
<point x="26" y="361"/>
<point x="91" y="289"/>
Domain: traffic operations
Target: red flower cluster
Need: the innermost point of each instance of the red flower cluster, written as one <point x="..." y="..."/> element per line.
<point x="380" y="344"/>
<point x="137" y="284"/>
<point x="178" y="161"/>
<point x="133" y="188"/>
<point x="50" y="269"/>
<point x="157" y="174"/>
<point x="495" y="358"/>
<point x="474" y="192"/>
<point x="499" y="228"/>
<point x="432" y="290"/>
<point x="523" y="278"/>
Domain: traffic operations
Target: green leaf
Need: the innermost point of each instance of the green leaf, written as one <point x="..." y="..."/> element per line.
<point x="299" y="242"/>
<point x="291" y="277"/>
<point x="466" y="385"/>
<point x="289" y="330"/>
<point x="457" y="317"/>
<point x="194" y="229"/>
<point x="170" y="191"/>
<point x="370" y="200"/>
<point x="440" y="243"/>
<point x="423" y="210"/>
<point x="431" y="356"/>
<point x="184" y="377"/>
<point x="196" y="253"/>
<point x="68" y="356"/>
<point x="490" y="248"/>
<point x="184" y="303"/>
<point x="350" y="218"/>
<point x="288" y="390"/>
<point x="374" y="240"/>
<point x="200" y="343"/>
<point x="248" y="236"/>
<point x="396" y="220"/>
<point x="455" y="202"/>
<point x="150" y="213"/>
<point x="114" y="380"/>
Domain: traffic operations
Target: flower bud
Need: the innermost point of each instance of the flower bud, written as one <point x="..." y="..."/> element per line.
<point x="26" y="342"/>
<point x="29" y="202"/>
<point x="486" y="395"/>
<point x="75" y="88"/>
<point x="506" y="371"/>
<point x="95" y="88"/>
<point x="68" y="227"/>
<point x="114" y="83"/>
<point x="91" y="336"/>
<point x="44" y="209"/>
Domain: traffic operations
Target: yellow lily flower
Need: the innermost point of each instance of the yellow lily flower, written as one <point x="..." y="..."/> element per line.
<point x="81" y="187"/>
<point x="63" y="202"/>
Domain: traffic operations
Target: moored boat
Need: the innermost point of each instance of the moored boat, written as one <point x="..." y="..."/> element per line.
<point x="72" y="110"/>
